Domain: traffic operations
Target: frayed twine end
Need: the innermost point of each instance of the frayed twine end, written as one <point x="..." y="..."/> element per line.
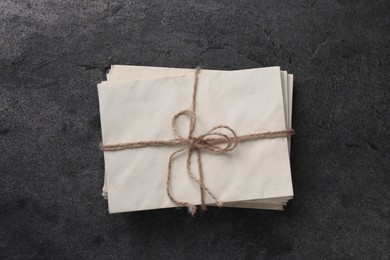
<point x="219" y="204"/>
<point x="191" y="209"/>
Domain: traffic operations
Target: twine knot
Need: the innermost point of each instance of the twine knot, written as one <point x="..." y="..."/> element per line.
<point x="208" y="141"/>
<point x="212" y="141"/>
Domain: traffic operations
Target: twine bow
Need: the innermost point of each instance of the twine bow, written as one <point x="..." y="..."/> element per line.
<point x="212" y="141"/>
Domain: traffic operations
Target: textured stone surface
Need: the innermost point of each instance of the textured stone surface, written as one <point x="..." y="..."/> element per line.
<point x="52" y="54"/>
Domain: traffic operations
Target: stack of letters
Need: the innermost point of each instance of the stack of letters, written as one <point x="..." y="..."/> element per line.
<point x="187" y="137"/>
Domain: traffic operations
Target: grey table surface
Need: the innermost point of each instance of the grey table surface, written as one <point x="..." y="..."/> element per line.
<point x="52" y="55"/>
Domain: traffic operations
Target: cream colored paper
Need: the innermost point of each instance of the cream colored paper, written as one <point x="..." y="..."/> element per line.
<point x="130" y="73"/>
<point x="134" y="184"/>
<point x="125" y="73"/>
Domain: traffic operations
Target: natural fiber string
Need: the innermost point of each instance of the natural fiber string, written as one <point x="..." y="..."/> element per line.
<point x="209" y="141"/>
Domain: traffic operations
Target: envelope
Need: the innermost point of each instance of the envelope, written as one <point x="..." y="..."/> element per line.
<point x="126" y="73"/>
<point x="142" y="109"/>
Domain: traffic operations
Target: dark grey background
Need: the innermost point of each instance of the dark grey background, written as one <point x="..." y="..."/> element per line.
<point x="52" y="55"/>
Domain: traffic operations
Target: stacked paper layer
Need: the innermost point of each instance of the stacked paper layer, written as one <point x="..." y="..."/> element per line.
<point x="137" y="103"/>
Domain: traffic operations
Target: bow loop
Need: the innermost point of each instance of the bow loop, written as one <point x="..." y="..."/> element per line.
<point x="187" y="113"/>
<point x="214" y="140"/>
